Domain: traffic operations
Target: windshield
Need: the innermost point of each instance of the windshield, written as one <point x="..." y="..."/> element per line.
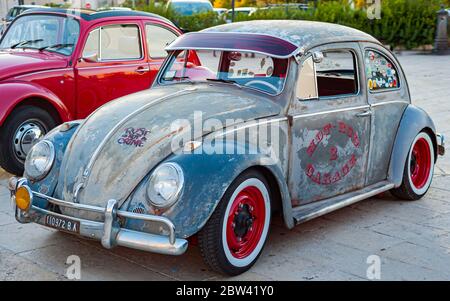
<point x="44" y="32"/>
<point x="247" y="69"/>
<point x="191" y="8"/>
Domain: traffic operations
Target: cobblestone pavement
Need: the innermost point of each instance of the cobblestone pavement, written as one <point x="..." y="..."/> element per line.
<point x="412" y="239"/>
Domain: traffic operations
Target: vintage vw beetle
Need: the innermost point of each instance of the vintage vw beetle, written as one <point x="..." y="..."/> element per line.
<point x="244" y="119"/>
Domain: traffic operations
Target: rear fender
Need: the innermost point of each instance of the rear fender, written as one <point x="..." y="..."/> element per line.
<point x="414" y="120"/>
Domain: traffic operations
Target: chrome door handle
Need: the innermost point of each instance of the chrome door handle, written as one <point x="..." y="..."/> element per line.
<point x="364" y="114"/>
<point x="142" y="69"/>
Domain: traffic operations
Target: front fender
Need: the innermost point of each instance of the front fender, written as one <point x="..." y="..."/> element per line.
<point x="207" y="177"/>
<point x="13" y="93"/>
<point x="413" y="121"/>
<point x="60" y="139"/>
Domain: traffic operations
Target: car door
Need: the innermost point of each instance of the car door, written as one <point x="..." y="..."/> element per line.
<point x="388" y="97"/>
<point x="330" y="125"/>
<point x="157" y="37"/>
<point x="113" y="64"/>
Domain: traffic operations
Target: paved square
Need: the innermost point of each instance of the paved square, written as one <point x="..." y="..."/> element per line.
<point x="411" y="238"/>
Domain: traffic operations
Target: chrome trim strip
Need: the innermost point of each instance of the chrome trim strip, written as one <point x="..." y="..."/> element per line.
<point x="250" y="124"/>
<point x="376" y="104"/>
<point x="58" y="70"/>
<point x="331" y="111"/>
<point x="113" y="66"/>
<point x="345" y="203"/>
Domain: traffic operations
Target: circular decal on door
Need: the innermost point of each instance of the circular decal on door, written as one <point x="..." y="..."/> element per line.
<point x="343" y="165"/>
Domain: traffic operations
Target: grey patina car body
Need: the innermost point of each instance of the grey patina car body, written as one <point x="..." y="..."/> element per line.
<point x="343" y="129"/>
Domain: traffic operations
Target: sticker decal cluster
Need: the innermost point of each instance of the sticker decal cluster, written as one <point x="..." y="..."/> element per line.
<point x="380" y="73"/>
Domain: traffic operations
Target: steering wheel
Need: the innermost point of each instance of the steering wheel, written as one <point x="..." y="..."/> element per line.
<point x="263" y="83"/>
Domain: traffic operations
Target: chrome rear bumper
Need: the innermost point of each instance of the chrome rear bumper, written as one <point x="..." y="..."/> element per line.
<point x="108" y="232"/>
<point x="441" y="144"/>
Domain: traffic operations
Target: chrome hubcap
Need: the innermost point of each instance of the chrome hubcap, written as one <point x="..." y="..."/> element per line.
<point x="25" y="137"/>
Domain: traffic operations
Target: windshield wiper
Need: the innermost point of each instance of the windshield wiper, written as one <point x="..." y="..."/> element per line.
<point x="221" y="80"/>
<point x="23" y="43"/>
<point x="185" y="79"/>
<point x="56" y="46"/>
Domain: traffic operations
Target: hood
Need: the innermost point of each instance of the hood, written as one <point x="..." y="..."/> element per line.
<point x="122" y="141"/>
<point x="18" y="62"/>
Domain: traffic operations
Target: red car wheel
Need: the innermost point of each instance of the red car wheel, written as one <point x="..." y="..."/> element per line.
<point x="419" y="169"/>
<point x="235" y="235"/>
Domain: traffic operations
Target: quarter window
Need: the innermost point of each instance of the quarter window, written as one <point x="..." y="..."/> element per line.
<point x="157" y="39"/>
<point x="114" y="42"/>
<point x="380" y="72"/>
<point x="307" y="85"/>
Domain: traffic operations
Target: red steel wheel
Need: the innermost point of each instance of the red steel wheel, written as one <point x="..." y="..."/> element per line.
<point x="234" y="236"/>
<point x="245" y="222"/>
<point x="419" y="169"/>
<point x="420" y="163"/>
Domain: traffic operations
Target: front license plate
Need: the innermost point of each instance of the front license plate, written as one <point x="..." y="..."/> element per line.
<point x="62" y="223"/>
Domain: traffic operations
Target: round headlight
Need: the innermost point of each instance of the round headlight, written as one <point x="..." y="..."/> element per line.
<point x="165" y="185"/>
<point x="40" y="160"/>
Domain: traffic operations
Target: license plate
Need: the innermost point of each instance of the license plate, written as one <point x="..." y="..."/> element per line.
<point x="62" y="223"/>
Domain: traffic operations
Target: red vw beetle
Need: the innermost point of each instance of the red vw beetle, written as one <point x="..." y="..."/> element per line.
<point x="57" y="65"/>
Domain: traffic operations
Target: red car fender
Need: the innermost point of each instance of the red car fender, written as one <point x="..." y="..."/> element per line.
<point x="14" y="93"/>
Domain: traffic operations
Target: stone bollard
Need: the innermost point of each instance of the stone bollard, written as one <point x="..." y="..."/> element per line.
<point x="441" y="40"/>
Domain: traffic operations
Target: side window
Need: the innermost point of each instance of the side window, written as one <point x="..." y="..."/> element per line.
<point x="380" y="72"/>
<point x="157" y="39"/>
<point x="113" y="42"/>
<point x="306" y="84"/>
<point x="91" y="48"/>
<point x="336" y="74"/>
<point x="120" y="42"/>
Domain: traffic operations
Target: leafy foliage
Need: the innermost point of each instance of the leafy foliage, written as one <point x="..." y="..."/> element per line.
<point x="408" y="23"/>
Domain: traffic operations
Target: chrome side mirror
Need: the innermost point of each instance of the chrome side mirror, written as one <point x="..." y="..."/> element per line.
<point x="317" y="57"/>
<point x="90" y="58"/>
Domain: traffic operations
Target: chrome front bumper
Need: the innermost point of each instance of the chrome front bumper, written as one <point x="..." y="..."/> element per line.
<point x="108" y="232"/>
<point x="441" y="144"/>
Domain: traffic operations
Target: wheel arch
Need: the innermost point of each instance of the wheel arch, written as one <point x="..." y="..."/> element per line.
<point x="18" y="94"/>
<point x="280" y="197"/>
<point x="414" y="121"/>
<point x="43" y="104"/>
<point x="198" y="201"/>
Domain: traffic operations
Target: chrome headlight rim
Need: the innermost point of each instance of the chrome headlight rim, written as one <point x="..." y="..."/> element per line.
<point x="174" y="198"/>
<point x="49" y="166"/>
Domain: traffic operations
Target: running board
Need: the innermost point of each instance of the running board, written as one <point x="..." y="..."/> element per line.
<point x="310" y="211"/>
